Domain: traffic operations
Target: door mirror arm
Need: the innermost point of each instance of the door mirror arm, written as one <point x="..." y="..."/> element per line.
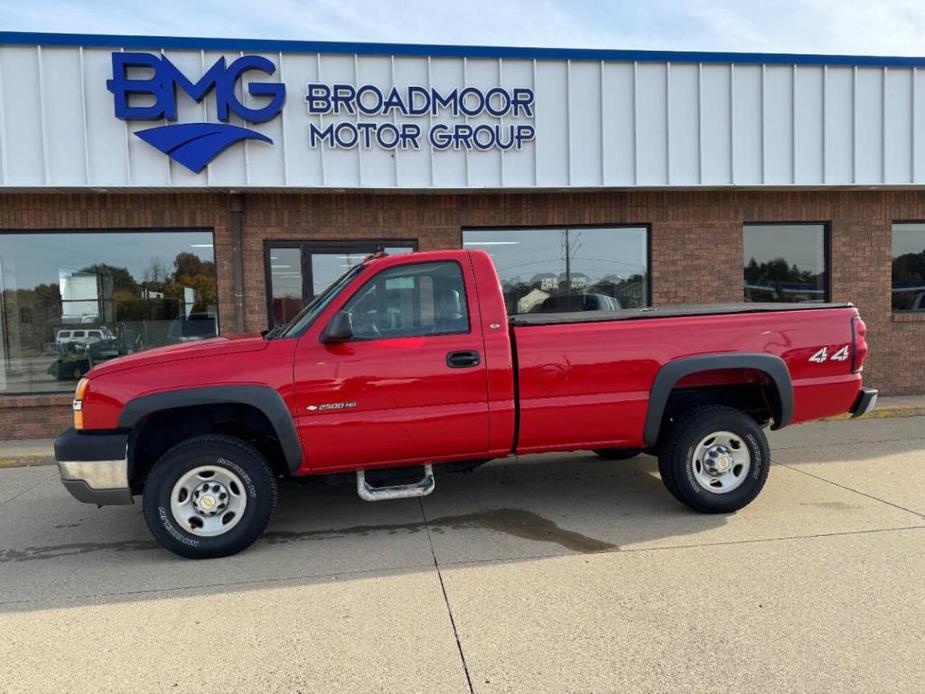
<point x="338" y="330"/>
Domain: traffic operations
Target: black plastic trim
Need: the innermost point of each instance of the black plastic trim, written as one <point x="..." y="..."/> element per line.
<point x="79" y="446"/>
<point x="264" y="398"/>
<point x="867" y="398"/>
<point x="672" y="372"/>
<point x="81" y="491"/>
<point x="463" y="359"/>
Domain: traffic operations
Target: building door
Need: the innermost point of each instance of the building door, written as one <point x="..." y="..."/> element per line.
<point x="297" y="271"/>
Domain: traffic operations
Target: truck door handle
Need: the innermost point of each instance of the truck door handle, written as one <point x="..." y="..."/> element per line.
<point x="463" y="359"/>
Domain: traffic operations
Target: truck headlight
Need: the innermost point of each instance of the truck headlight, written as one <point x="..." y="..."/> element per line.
<point x="79" y="393"/>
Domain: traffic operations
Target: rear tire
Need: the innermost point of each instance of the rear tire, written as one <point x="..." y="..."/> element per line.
<point x="618" y="453"/>
<point x="209" y="496"/>
<point x="715" y="459"/>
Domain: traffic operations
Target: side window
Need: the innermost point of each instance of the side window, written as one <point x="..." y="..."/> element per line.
<point x="785" y="263"/>
<point x="78" y="333"/>
<point x="411" y="300"/>
<point x="908" y="267"/>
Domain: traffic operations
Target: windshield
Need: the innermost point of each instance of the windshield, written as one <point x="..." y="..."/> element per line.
<point x="307" y="315"/>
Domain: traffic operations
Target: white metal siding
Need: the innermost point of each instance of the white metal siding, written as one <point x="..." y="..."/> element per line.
<point x="612" y="123"/>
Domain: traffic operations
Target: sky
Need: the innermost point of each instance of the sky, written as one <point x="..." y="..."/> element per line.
<point x="865" y="27"/>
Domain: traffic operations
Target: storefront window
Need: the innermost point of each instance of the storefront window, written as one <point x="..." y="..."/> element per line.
<point x="909" y="267"/>
<point x="785" y="262"/>
<point x="74" y="299"/>
<point x="573" y="269"/>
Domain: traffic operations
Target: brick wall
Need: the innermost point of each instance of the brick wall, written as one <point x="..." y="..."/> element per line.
<point x="696" y="248"/>
<point x="34" y="416"/>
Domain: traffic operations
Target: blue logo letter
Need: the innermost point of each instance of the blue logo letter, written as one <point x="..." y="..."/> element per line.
<point x="192" y="144"/>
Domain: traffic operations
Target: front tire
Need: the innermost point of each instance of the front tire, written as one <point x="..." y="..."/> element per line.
<point x="715" y="459"/>
<point x="209" y="496"/>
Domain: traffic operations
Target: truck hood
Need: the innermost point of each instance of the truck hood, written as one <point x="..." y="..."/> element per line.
<point x="216" y="346"/>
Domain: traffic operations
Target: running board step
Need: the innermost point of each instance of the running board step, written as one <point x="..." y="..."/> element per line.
<point x="368" y="492"/>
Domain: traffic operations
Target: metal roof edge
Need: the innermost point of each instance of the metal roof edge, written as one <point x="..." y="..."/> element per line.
<point x="22" y="38"/>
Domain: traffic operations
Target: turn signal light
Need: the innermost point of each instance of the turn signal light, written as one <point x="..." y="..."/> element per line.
<point x="82" y="385"/>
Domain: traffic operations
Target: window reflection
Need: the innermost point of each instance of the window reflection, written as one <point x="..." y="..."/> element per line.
<point x="300" y="271"/>
<point x="785" y="262"/>
<point x="569" y="269"/>
<point x="71" y="300"/>
<point x="411" y="300"/>
<point x="908" y="267"/>
<point x="285" y="283"/>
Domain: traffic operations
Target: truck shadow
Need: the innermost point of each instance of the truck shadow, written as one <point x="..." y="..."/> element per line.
<point x="571" y="503"/>
<point x="508" y="511"/>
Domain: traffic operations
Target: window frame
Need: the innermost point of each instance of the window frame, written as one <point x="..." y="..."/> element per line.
<point x="328" y="246"/>
<point x="372" y="278"/>
<point x="826" y="253"/>
<point x="920" y="313"/>
<point x="646" y="226"/>
<point x="14" y="231"/>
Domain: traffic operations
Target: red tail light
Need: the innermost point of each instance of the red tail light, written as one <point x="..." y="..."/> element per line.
<point x="858" y="344"/>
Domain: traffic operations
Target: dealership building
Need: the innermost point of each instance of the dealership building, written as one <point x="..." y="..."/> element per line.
<point x="159" y="190"/>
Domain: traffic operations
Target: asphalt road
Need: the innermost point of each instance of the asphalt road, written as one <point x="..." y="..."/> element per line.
<point x="557" y="574"/>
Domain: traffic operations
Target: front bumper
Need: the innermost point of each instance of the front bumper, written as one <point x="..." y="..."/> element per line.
<point x="866" y="401"/>
<point x="94" y="466"/>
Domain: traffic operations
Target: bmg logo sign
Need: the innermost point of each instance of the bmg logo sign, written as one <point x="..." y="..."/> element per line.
<point x="154" y="97"/>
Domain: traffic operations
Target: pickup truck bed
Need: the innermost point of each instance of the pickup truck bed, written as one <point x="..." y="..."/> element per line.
<point x="413" y="361"/>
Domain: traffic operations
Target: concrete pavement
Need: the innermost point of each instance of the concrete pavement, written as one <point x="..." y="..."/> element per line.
<point x="563" y="573"/>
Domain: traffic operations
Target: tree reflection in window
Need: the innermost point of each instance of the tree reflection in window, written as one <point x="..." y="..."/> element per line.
<point x="785" y="263"/>
<point x="908" y="290"/>
<point x="73" y="299"/>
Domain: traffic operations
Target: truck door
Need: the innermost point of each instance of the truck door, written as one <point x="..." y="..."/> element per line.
<point x="409" y="385"/>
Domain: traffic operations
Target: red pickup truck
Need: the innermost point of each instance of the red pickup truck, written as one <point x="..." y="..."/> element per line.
<point x="408" y="362"/>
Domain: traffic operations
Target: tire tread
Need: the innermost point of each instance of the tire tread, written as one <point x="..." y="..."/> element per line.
<point x="226" y="546"/>
<point x="672" y="458"/>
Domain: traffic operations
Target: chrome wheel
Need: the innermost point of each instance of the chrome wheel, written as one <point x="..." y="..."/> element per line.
<point x="208" y="500"/>
<point x="721" y="462"/>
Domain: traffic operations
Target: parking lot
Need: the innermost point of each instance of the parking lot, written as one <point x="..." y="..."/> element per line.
<point x="562" y="574"/>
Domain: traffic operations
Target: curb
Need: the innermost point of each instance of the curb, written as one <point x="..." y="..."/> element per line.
<point x="884" y="413"/>
<point x="27" y="461"/>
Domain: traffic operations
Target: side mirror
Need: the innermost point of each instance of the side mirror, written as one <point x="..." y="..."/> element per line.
<point x="338" y="330"/>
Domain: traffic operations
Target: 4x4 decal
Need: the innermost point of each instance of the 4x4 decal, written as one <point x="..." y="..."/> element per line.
<point x="821" y="356"/>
